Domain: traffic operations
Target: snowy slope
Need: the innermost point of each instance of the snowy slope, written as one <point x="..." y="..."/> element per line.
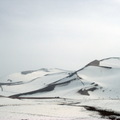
<point x="106" y="77"/>
<point x="20" y="83"/>
<point x="100" y="79"/>
<point x="26" y="76"/>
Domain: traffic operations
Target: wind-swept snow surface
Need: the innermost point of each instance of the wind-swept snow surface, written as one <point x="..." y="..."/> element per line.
<point x="98" y="80"/>
<point x="14" y="109"/>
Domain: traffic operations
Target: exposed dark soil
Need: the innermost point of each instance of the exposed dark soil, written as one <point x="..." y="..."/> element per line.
<point x="111" y="115"/>
<point x="85" y="91"/>
<point x="104" y="113"/>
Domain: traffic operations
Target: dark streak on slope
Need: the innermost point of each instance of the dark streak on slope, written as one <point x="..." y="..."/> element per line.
<point x="27" y="72"/>
<point x="31" y="71"/>
<point x="48" y="88"/>
<point x="12" y="83"/>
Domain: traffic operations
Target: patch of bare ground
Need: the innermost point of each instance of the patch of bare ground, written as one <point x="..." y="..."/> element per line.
<point x="112" y="115"/>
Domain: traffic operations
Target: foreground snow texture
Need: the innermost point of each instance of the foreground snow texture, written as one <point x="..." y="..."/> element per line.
<point x="57" y="109"/>
<point x="90" y="93"/>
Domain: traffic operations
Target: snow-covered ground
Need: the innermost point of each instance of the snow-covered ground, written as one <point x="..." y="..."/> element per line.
<point x="14" y="109"/>
<point x="67" y="92"/>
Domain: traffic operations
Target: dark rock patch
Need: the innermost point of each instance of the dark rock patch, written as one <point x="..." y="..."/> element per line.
<point x="27" y="72"/>
<point x="86" y="90"/>
<point x="31" y="71"/>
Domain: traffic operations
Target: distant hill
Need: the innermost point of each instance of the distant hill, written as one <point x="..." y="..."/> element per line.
<point x="99" y="79"/>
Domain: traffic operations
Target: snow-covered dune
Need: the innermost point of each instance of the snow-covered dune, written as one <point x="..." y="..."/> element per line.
<point x="100" y="79"/>
<point x="30" y="81"/>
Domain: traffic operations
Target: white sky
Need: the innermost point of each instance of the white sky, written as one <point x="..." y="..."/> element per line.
<point x="57" y="33"/>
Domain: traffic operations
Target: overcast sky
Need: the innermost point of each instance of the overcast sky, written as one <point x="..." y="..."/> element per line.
<point x="57" y="33"/>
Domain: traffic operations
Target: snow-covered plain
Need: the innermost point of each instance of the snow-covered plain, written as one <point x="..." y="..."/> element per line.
<point x="60" y="94"/>
<point x="14" y="109"/>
